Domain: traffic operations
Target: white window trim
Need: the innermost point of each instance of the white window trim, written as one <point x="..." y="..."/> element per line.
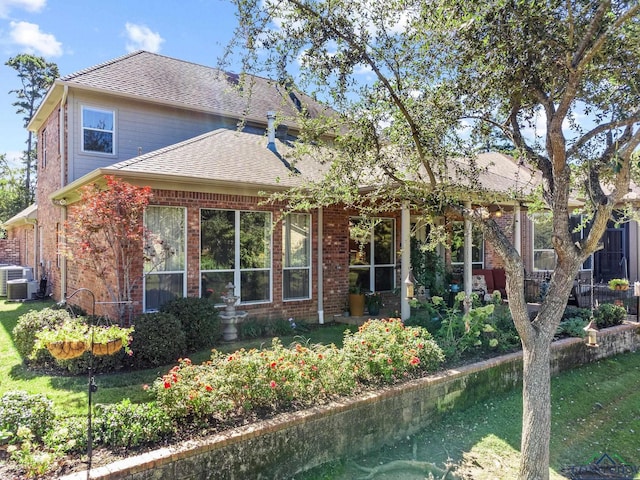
<point x="308" y="268"/>
<point x="534" y="250"/>
<point x="237" y="272"/>
<point x="372" y="265"/>
<point x="113" y="132"/>
<point x="167" y="272"/>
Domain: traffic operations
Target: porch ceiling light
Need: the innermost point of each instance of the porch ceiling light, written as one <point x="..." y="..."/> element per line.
<point x="592" y="334"/>
<point x="410" y="283"/>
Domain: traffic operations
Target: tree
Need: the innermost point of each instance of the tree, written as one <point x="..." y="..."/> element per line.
<point x="10" y="198"/>
<point x="106" y="234"/>
<point x="36" y="75"/>
<point x="447" y="79"/>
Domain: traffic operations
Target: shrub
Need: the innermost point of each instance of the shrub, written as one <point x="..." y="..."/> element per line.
<point x="200" y="321"/>
<point x="572" y="311"/>
<point x="572" y="327"/>
<point x="609" y="315"/>
<point x="158" y="340"/>
<point x="24" y="333"/>
<point x="385" y="351"/>
<point x="251" y="328"/>
<point x="20" y="409"/>
<point x="127" y="425"/>
<point x="249" y="380"/>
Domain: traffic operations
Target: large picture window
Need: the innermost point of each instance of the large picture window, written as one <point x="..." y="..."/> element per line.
<point x="165" y="266"/>
<point x="372" y="254"/>
<point x="457" y="246"/>
<point x="98" y="130"/>
<point x="296" y="246"/>
<point x="235" y="247"/>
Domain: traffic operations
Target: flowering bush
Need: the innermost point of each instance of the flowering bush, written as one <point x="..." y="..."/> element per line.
<point x="382" y="351"/>
<point x="247" y="380"/>
<point x="278" y="378"/>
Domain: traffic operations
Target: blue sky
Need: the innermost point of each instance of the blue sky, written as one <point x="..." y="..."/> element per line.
<point x="77" y="34"/>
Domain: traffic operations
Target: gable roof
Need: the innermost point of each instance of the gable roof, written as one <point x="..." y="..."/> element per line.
<point x="164" y="80"/>
<point x="221" y="160"/>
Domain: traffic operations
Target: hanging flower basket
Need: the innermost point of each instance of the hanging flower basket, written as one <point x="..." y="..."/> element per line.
<point x="65" y="350"/>
<point x="108" y="348"/>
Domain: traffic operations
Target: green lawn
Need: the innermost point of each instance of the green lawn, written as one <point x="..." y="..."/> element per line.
<point x="595" y="410"/>
<point x="70" y="393"/>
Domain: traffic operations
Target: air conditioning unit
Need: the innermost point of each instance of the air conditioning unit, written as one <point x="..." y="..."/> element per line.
<point x="17" y="289"/>
<point x="11" y="272"/>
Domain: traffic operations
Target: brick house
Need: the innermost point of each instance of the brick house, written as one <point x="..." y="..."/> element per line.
<point x="172" y="125"/>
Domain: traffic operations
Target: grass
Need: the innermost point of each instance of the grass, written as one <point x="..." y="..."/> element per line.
<point x="69" y="393"/>
<point x="595" y="410"/>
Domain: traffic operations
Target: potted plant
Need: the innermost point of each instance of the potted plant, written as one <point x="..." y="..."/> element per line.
<point x="356" y="301"/>
<point x="374" y="303"/>
<point x="619" y="284"/>
<point x="74" y="337"/>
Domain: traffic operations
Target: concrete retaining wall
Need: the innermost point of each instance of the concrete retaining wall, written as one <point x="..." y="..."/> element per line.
<point x="291" y="443"/>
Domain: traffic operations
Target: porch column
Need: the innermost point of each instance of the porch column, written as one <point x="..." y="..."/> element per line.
<point x="517" y="234"/>
<point x="468" y="243"/>
<point x="405" y="260"/>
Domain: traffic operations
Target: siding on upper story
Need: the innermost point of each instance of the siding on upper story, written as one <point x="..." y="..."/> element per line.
<point x="140" y="127"/>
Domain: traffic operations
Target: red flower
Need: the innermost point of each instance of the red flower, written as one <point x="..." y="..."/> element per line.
<point x="208" y="388"/>
<point x="167" y="384"/>
<point x="414" y="361"/>
<point x="273" y="384"/>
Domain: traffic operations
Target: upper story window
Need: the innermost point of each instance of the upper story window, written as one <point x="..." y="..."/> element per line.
<point x="457" y="245"/>
<point x="98" y="130"/>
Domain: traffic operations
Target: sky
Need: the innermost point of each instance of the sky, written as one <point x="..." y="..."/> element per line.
<point x="77" y="34"/>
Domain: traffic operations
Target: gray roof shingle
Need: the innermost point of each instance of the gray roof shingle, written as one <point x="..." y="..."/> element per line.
<point x="160" y="79"/>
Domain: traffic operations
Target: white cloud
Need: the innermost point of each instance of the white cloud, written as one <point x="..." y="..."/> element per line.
<point x="142" y="38"/>
<point x="29" y="5"/>
<point x="33" y="41"/>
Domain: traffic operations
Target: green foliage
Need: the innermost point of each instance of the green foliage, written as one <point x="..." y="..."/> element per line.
<point x="278" y="378"/>
<point x="126" y="425"/>
<point x="28" y="325"/>
<point x="571" y="311"/>
<point x="18" y="409"/>
<point x="428" y="267"/>
<point x="483" y="330"/>
<point x="29" y="455"/>
<point x="385" y="351"/>
<point x="609" y="315"/>
<point x="158" y="340"/>
<point x="572" y="327"/>
<point x="618" y="284"/>
<point x="200" y="321"/>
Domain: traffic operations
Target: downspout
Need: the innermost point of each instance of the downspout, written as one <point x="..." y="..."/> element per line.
<point x="405" y="260"/>
<point x="36" y="271"/>
<point x="320" y="268"/>
<point x="63" y="164"/>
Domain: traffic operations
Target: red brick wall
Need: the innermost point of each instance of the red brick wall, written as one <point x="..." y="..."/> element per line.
<point x="335" y="265"/>
<point x="50" y="215"/>
<point x="10" y="249"/>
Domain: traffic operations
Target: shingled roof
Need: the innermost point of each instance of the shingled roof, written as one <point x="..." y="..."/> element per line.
<point x="164" y="80"/>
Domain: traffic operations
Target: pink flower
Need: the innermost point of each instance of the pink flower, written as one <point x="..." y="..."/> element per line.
<point x="145" y="387"/>
<point x="414" y="361"/>
<point x="273" y="384"/>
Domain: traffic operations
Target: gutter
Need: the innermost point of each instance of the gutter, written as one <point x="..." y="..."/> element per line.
<point x="63" y="209"/>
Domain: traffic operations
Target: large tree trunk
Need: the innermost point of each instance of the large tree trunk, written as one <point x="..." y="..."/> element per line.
<point x="536" y="410"/>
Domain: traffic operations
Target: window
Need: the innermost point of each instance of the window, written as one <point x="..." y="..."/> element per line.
<point x="165" y="265"/>
<point x="235" y="246"/>
<point x="44" y="148"/>
<point x="372" y="254"/>
<point x="296" y="246"/>
<point x="544" y="256"/>
<point x="457" y="246"/>
<point x="97" y="130"/>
